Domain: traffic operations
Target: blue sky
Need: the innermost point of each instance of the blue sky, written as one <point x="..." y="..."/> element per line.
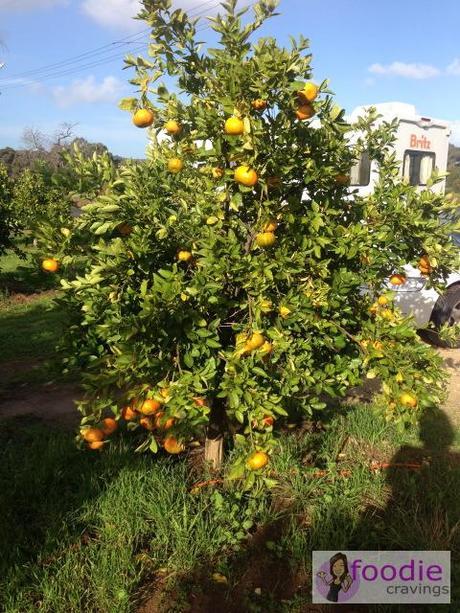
<point x="372" y="52"/>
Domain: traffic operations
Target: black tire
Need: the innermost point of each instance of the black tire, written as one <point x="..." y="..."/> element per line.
<point x="446" y="310"/>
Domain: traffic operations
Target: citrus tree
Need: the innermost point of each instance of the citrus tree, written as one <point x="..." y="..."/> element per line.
<point x="233" y="282"/>
<point x="33" y="199"/>
<point x="7" y="225"/>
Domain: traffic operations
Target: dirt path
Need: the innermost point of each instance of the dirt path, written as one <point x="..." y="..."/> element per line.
<point x="56" y="403"/>
<point x="52" y="403"/>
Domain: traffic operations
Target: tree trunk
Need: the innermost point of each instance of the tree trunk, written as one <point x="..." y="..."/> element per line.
<point x="214" y="443"/>
<point x="214" y="452"/>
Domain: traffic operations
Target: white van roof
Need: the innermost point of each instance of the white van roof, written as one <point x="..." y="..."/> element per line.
<point x="399" y="110"/>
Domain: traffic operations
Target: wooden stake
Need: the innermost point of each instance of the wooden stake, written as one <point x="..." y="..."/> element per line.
<point x="214" y="452"/>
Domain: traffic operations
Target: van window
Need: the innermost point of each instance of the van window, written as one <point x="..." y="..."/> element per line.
<point x="361" y="172"/>
<point x="418" y="166"/>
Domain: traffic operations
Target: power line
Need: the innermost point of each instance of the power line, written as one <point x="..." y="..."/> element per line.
<point x="77" y="59"/>
<point x="103" y="49"/>
<point x="65" y="71"/>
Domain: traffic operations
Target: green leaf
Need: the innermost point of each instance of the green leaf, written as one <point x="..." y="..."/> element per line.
<point x="236" y="472"/>
<point x="128" y="104"/>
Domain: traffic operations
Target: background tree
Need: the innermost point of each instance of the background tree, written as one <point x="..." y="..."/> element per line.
<point x="453" y="166"/>
<point x="223" y="287"/>
<point x="8" y="228"/>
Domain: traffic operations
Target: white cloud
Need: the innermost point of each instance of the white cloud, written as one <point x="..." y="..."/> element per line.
<point x="119" y="13"/>
<point x="402" y="69"/>
<point x="113" y="13"/>
<point x="88" y="91"/>
<point x="29" y="5"/>
<point x="454" y="67"/>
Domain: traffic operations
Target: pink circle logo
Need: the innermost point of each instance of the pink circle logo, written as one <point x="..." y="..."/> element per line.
<point x="333" y="579"/>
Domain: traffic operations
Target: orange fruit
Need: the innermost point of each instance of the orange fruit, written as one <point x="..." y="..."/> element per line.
<point x="184" y="256"/>
<point x="150" y="406"/>
<point x="257" y="460"/>
<point x="309" y="92"/>
<point x="96" y="445"/>
<point x="175" y="165"/>
<point x="143" y="118"/>
<point x="163" y="424"/>
<point x="92" y="435"/>
<point x="128" y="413"/>
<point x="241" y="337"/>
<point x="342" y="179"/>
<point x="408" y="400"/>
<point x="259" y="104"/>
<point x="246" y="176"/>
<point x="147" y="422"/>
<point x="387" y="314"/>
<point x="199" y="401"/>
<point x="109" y="425"/>
<point x="265" y="239"/>
<point x="267" y="347"/>
<point x="374" y="308"/>
<point x="305" y="111"/>
<point x="397" y="279"/>
<point x="50" y="265"/>
<point x="271" y="226"/>
<point x="424" y="265"/>
<point x="255" y="341"/>
<point x="234" y="126"/>
<point x="172" y="445"/>
<point x="173" y="127"/>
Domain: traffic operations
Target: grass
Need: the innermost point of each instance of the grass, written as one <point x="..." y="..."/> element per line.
<point x="112" y="526"/>
<point x="29" y="329"/>
<point x="22" y="274"/>
<point x="100" y="532"/>
<point x="30" y="322"/>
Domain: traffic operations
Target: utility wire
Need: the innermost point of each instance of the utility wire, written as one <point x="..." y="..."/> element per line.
<point x="107" y="48"/>
<point x="65" y="71"/>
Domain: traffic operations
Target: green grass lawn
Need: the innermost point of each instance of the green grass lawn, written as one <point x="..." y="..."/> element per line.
<point x="29" y="329"/>
<point x="90" y="531"/>
<point x="30" y="322"/>
<point x="22" y="274"/>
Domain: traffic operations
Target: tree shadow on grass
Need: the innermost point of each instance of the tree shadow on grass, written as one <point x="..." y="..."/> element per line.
<point x="44" y="482"/>
<point x="27" y="278"/>
<point x="29" y="334"/>
<point x="273" y="571"/>
<point x="423" y="510"/>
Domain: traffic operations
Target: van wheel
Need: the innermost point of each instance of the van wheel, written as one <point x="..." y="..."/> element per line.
<point x="447" y="310"/>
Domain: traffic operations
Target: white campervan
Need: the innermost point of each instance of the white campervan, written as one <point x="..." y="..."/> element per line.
<point x="421" y="146"/>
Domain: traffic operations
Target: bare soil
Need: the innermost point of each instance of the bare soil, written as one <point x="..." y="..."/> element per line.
<point x="52" y="403"/>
